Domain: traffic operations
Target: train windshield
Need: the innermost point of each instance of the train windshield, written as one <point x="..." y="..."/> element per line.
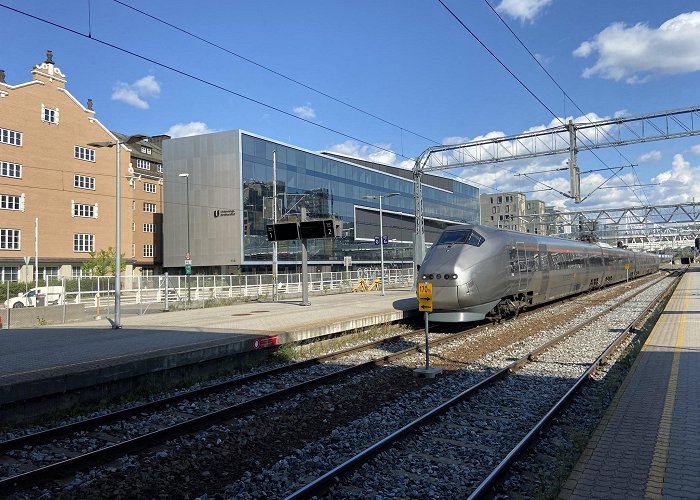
<point x="462" y="237"/>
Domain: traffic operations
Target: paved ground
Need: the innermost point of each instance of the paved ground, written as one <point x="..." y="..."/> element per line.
<point x="648" y="444"/>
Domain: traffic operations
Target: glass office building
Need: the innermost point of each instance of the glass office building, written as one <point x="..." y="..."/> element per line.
<point x="230" y="183"/>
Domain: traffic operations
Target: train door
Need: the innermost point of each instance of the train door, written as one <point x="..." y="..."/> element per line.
<point x="523" y="268"/>
<point x="544" y="267"/>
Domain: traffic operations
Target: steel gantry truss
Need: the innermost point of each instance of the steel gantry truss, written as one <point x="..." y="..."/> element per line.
<point x="568" y="138"/>
<point x="649" y="227"/>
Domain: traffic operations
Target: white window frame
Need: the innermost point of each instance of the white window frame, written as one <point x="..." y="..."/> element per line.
<point x="50" y="272"/>
<point x="150" y="207"/>
<point x="145" y="150"/>
<point x="83" y="153"/>
<point x="148" y="250"/>
<point x="49" y="115"/>
<point x="9" y="273"/>
<point x="76" y="272"/>
<point x="12" y="137"/>
<point x="9" y="169"/>
<point x="150" y="187"/>
<point x="83" y="210"/>
<point x="10" y="239"/>
<point x="12" y="202"/>
<point x="81" y="181"/>
<point x="83" y="242"/>
<point x="143" y="164"/>
<point x="149" y="227"/>
<point x="159" y="168"/>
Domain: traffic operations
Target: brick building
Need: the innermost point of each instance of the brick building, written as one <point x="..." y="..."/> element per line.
<point x="57" y="193"/>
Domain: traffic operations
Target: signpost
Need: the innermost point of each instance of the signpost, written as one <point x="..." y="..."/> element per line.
<point x="425" y="304"/>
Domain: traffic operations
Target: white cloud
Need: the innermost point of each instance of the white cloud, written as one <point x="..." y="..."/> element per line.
<point x="305" y="112"/>
<point x="188" y="129"/>
<point x="650" y="156"/>
<point x="635" y="54"/>
<point x="695" y="149"/>
<point x="524" y="10"/>
<point x="676" y="184"/>
<point x="134" y="94"/>
<point x="365" y="152"/>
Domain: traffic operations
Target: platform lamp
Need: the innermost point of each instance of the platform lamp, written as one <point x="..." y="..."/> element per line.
<point x="118" y="265"/>
<point x="381" y="228"/>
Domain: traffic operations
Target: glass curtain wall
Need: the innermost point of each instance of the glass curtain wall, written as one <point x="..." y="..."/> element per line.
<point x="330" y="188"/>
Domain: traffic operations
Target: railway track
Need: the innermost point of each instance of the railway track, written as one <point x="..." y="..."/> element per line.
<point x="273" y="406"/>
<point x="453" y="450"/>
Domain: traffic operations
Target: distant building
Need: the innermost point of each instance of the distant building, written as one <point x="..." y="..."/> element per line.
<point x="534" y="209"/>
<point x="55" y="185"/>
<point x="145" y="178"/>
<point x="231" y="201"/>
<point x="504" y="210"/>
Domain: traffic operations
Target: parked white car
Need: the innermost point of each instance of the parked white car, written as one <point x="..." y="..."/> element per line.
<point x="44" y="295"/>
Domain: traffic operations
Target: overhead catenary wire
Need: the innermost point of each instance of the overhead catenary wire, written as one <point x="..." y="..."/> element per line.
<point x="566" y="95"/>
<point x="281" y="75"/>
<point x="521" y="82"/>
<point x="201" y="80"/>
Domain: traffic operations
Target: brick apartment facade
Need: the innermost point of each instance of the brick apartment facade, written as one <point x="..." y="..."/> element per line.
<point x="52" y="180"/>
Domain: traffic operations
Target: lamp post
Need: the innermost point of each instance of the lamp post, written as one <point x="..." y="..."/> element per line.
<point x="381" y="228"/>
<point x="188" y="256"/>
<point x="118" y="247"/>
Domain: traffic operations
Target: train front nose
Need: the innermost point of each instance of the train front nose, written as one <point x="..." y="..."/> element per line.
<point x="452" y="290"/>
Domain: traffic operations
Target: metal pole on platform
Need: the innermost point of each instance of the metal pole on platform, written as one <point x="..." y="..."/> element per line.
<point x="381" y="230"/>
<point x="274" y="221"/>
<point x="304" y="266"/>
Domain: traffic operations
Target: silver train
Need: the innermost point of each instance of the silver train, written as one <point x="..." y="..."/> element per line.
<point x="478" y="271"/>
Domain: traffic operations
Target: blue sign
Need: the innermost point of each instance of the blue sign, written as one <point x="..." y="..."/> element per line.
<point x="376" y="240"/>
<point x="385" y="240"/>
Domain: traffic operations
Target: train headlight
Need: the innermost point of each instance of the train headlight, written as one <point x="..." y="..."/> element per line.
<point x="430" y="276"/>
<point x="425" y="277"/>
<point x="438" y="276"/>
<point x="454" y="276"/>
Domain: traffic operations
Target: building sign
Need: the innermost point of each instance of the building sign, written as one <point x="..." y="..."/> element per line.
<point x="224" y="213"/>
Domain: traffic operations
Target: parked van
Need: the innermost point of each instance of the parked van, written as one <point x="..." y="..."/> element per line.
<point x="42" y="296"/>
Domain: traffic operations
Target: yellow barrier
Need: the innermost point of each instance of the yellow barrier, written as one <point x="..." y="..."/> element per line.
<point x="362" y="286"/>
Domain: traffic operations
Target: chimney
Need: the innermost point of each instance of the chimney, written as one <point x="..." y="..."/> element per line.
<point x="2" y="76"/>
<point x="89" y="105"/>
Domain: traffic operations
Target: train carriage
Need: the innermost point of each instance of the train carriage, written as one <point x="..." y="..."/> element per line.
<point x="478" y="271"/>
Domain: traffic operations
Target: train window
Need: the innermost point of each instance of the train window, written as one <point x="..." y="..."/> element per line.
<point x="467" y="236"/>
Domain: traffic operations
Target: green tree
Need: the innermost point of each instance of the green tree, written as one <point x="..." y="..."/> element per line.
<point x="103" y="263"/>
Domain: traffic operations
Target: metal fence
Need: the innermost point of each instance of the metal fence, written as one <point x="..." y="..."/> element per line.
<point x="179" y="291"/>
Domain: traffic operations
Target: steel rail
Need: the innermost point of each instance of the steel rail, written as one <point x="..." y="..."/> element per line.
<point x="504" y="465"/>
<point x="323" y="483"/>
<point x="109" y="452"/>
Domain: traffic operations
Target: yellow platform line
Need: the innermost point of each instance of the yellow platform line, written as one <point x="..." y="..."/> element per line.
<point x="657" y="472"/>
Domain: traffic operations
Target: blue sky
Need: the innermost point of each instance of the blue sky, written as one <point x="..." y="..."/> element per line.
<point x="418" y="77"/>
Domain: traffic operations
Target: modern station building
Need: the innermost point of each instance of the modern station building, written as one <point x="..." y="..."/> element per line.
<point x="220" y="199"/>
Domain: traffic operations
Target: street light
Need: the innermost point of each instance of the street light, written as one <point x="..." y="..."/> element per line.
<point x="381" y="228"/>
<point x="118" y="265"/>
<point x="186" y="175"/>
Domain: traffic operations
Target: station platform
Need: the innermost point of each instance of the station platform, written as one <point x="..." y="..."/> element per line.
<point x="648" y="443"/>
<point x="45" y="361"/>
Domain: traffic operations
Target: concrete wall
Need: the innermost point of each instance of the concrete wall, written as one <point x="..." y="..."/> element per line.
<point x="213" y="164"/>
<point x="36" y="316"/>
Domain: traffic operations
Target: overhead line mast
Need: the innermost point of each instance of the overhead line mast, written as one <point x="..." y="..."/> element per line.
<point x="570" y="138"/>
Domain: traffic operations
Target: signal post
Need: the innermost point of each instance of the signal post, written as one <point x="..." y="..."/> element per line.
<point x="425" y="304"/>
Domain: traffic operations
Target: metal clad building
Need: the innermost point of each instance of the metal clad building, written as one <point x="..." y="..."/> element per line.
<point x="231" y="193"/>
